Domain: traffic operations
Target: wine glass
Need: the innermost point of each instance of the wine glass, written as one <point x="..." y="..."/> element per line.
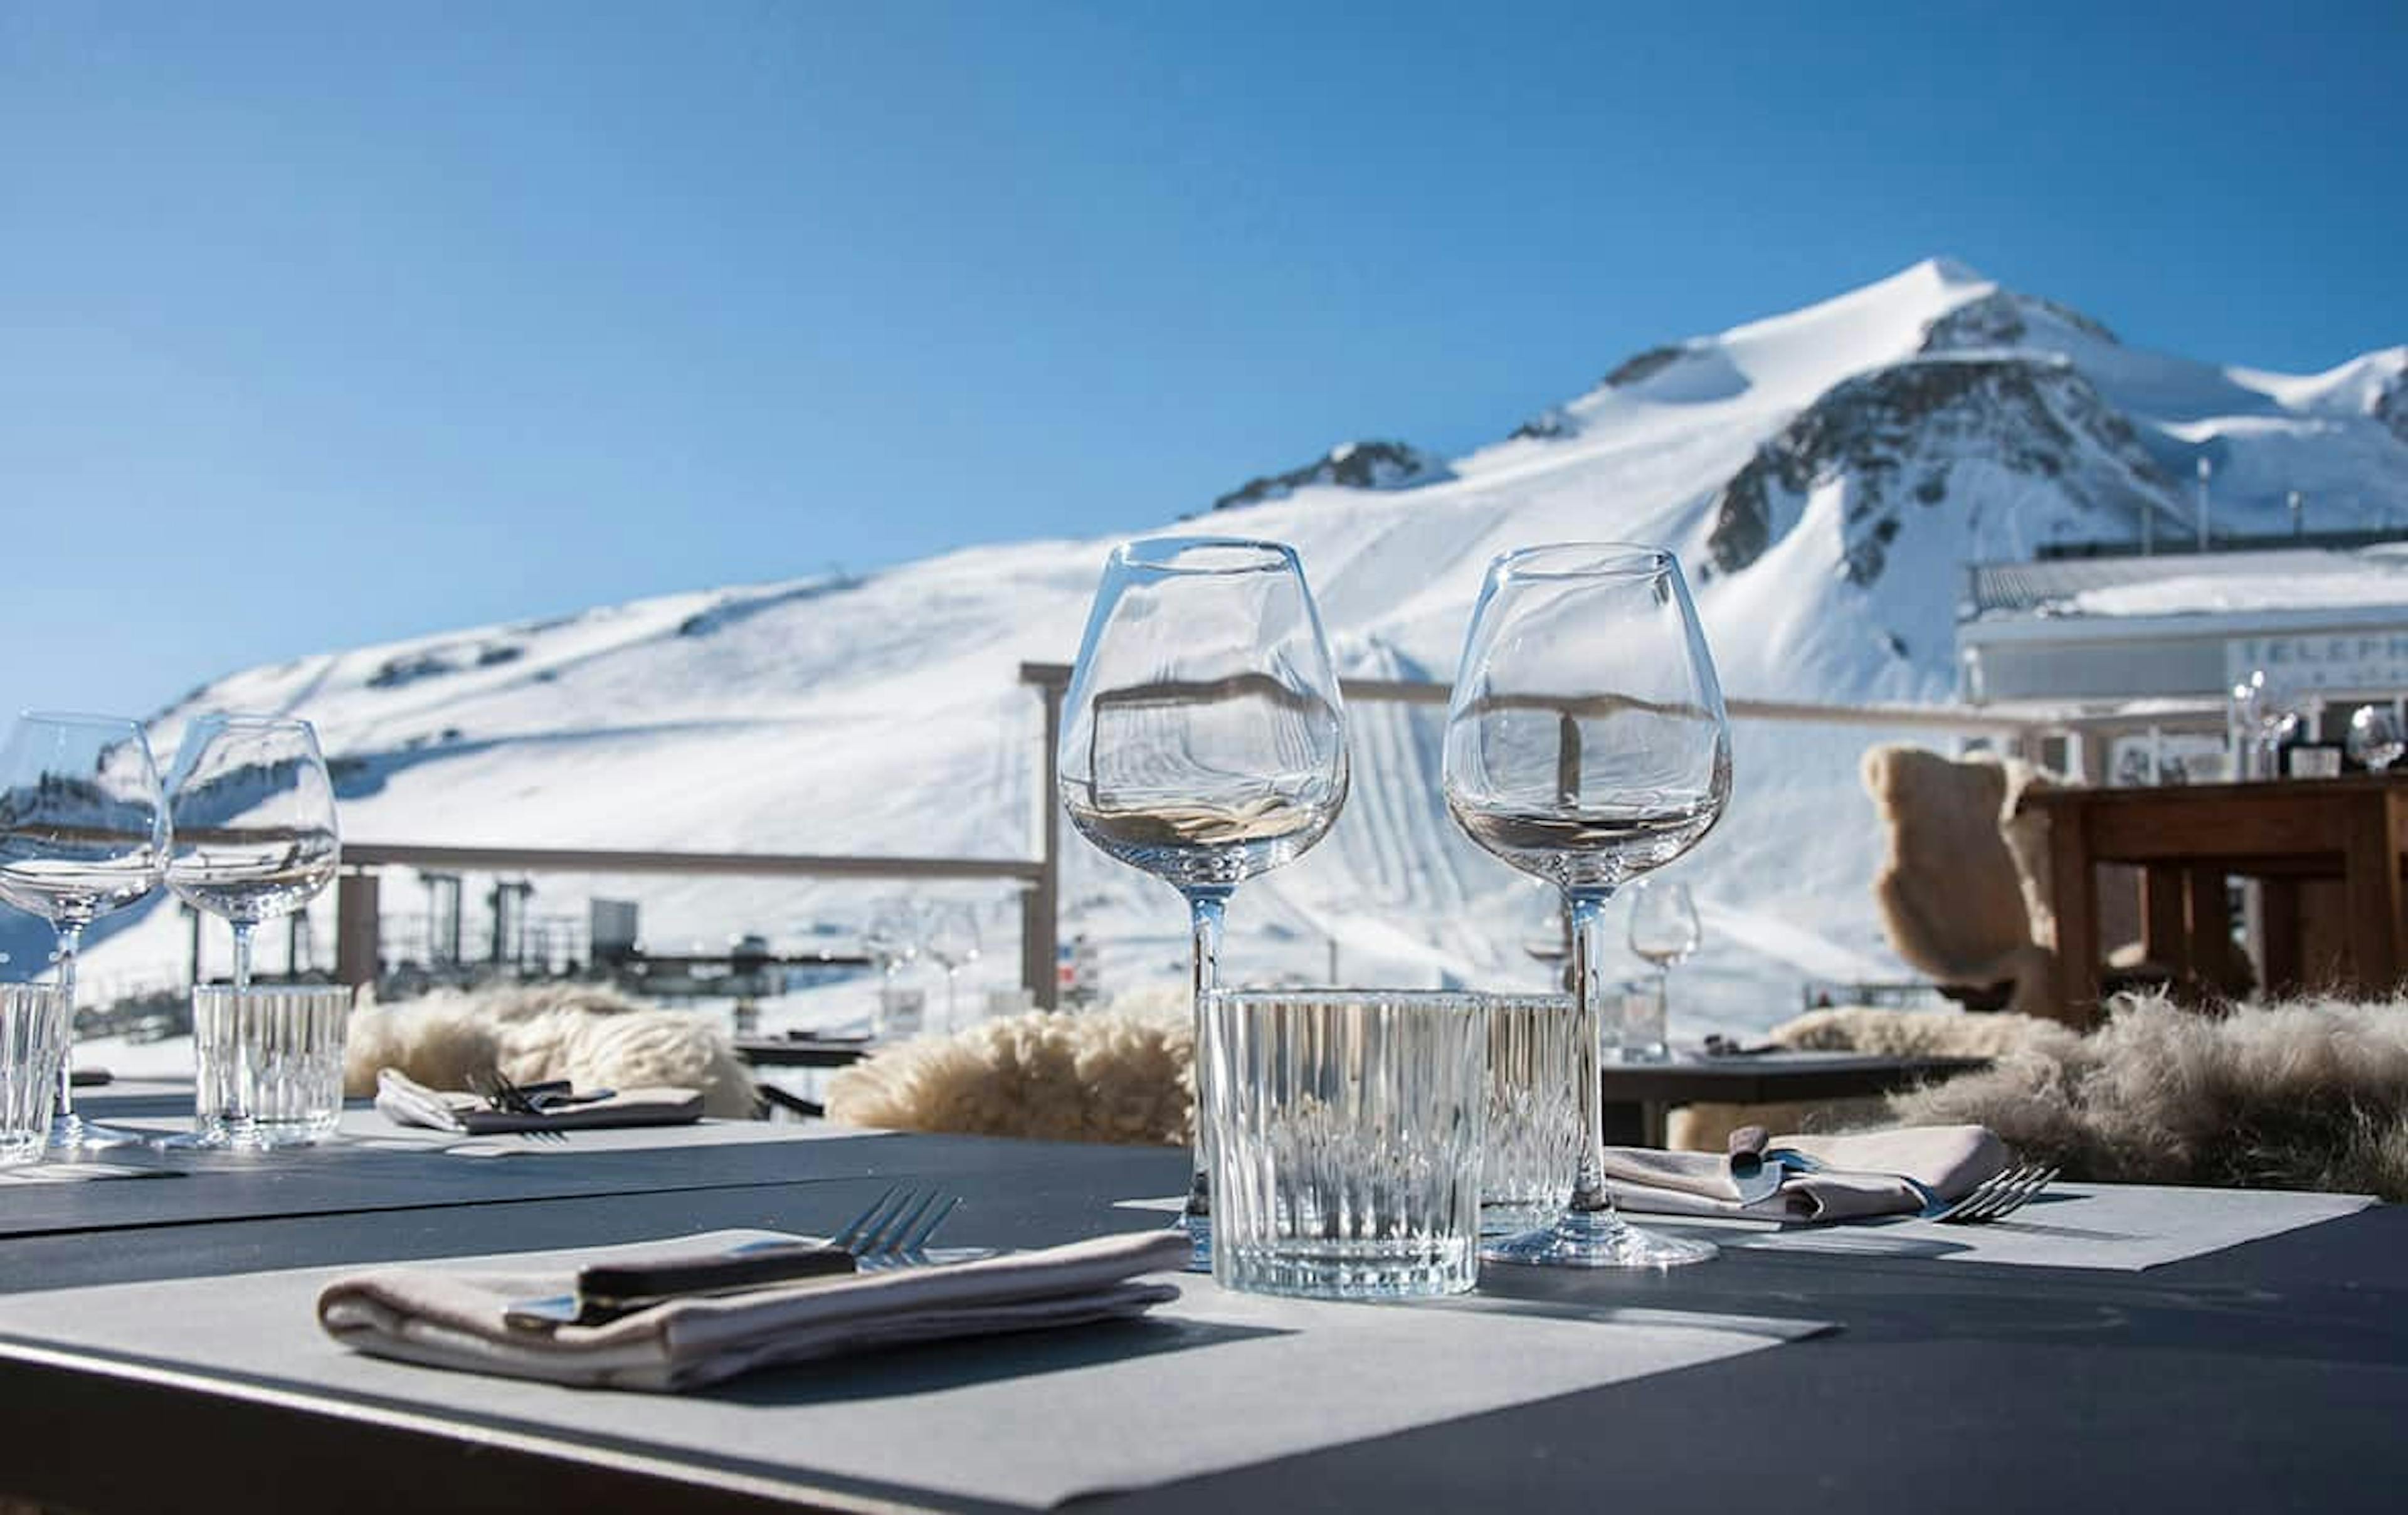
<point x="892" y="940"/>
<point x="1206" y="740"/>
<point x="253" y="811"/>
<point x="84" y="831"/>
<point x="1664" y="930"/>
<point x="1587" y="744"/>
<point x="2375" y="740"/>
<point x="952" y="945"/>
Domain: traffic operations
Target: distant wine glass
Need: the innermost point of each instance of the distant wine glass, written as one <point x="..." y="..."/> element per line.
<point x="1587" y="744"/>
<point x="892" y="942"/>
<point x="84" y="831"/>
<point x="2375" y="740"/>
<point x="1205" y="741"/>
<point x="255" y="832"/>
<point x="1664" y="930"/>
<point x="952" y="945"/>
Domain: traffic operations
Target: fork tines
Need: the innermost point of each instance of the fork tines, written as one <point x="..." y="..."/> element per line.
<point x="2001" y="1195"/>
<point x="895" y="1226"/>
<point x="509" y="1099"/>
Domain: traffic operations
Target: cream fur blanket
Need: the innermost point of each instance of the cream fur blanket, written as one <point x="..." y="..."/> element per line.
<point x="1111" y="1076"/>
<point x="2307" y="1094"/>
<point x="596" y="1038"/>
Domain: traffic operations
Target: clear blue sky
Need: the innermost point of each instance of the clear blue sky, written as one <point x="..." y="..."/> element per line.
<point x="324" y="325"/>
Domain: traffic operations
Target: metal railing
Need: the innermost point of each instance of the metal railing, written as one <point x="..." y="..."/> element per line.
<point x="2075" y="741"/>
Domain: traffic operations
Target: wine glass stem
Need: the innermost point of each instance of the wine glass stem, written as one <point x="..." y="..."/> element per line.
<point x="1205" y="908"/>
<point x="241" y="955"/>
<point x="1587" y="910"/>
<point x="70" y="938"/>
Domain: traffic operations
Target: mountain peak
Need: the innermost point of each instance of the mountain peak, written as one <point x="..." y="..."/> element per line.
<point x="1367" y="465"/>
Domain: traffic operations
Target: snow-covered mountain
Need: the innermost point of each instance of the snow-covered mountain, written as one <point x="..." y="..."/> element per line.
<point x="1824" y="473"/>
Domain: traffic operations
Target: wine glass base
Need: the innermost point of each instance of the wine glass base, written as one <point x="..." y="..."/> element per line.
<point x="74" y="1133"/>
<point x="1596" y="1239"/>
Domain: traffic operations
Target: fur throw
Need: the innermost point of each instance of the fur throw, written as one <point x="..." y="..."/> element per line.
<point x="1951" y="896"/>
<point x="596" y="1038"/>
<point x="2309" y="1095"/>
<point x="1108" y="1077"/>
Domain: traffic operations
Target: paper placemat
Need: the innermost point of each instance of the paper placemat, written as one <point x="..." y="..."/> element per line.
<point x="1213" y="1381"/>
<point x="2118" y="1227"/>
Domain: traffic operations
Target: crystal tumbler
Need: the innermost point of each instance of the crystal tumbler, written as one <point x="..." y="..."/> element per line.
<point x="270" y="1063"/>
<point x="1532" y="1153"/>
<point x="33" y="1042"/>
<point x="1345" y="1132"/>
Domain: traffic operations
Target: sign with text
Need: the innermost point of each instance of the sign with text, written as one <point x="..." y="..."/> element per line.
<point x="2309" y="660"/>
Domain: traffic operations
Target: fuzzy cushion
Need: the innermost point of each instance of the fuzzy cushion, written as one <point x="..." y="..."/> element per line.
<point x="2309" y="1095"/>
<point x="593" y="1036"/>
<point x="1108" y="1075"/>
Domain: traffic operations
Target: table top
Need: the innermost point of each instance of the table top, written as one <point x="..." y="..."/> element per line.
<point x="2264" y="791"/>
<point x="2271" y="1373"/>
<point x="1753" y="1077"/>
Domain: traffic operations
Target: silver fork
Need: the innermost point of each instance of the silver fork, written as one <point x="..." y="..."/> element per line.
<point x="894" y="1231"/>
<point x="2001" y="1195"/>
<point x="507" y="1097"/>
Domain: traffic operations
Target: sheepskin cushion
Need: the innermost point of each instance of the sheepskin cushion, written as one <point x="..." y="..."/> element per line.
<point x="1108" y="1077"/>
<point x="1950" y="896"/>
<point x="593" y="1036"/>
<point x="1858" y="1028"/>
<point x="2307" y="1094"/>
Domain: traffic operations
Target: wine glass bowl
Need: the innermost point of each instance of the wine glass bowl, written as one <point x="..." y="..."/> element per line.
<point x="952" y="945"/>
<point x="1204" y="738"/>
<point x="2374" y="742"/>
<point x="83" y="833"/>
<point x="256" y="836"/>
<point x="1586" y="744"/>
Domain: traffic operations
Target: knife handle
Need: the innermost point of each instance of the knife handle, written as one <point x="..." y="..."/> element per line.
<point x="608" y="1283"/>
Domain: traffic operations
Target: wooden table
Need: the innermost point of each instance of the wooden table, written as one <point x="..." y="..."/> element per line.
<point x="2188" y="840"/>
<point x="2271" y="1374"/>
<point x="1639" y="1096"/>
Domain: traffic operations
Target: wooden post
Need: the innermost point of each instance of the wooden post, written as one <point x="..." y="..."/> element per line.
<point x="1040" y="903"/>
<point x="355" y="927"/>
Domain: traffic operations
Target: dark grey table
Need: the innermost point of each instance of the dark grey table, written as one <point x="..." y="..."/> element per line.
<point x="2273" y="1374"/>
<point x="1639" y="1096"/>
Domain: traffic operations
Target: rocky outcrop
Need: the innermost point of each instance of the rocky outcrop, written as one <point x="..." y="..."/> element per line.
<point x="1894" y="436"/>
<point x="1374" y="465"/>
<point x="2002" y="318"/>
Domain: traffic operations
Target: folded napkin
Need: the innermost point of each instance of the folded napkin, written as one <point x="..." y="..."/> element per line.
<point x="442" y="1318"/>
<point x="1860" y="1174"/>
<point x="407" y="1102"/>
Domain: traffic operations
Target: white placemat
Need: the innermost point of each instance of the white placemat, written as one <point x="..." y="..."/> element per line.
<point x="1214" y="1381"/>
<point x="2124" y="1227"/>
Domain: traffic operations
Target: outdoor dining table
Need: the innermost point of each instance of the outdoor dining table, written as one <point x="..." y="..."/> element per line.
<point x="156" y="1352"/>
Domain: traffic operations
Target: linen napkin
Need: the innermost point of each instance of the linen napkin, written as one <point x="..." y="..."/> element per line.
<point x="445" y="1318"/>
<point x="1860" y="1177"/>
<point x="407" y="1102"/>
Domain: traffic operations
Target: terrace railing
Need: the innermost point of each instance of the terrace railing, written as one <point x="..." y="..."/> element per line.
<point x="2070" y="741"/>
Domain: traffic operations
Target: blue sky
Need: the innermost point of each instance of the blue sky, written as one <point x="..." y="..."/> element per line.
<point x="322" y="325"/>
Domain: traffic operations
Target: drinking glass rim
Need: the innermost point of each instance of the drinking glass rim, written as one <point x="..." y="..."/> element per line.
<point x="1636" y="560"/>
<point x="28" y="991"/>
<point x="1271" y="557"/>
<point x="84" y="717"/>
<point x="1355" y="998"/>
<point x="256" y="990"/>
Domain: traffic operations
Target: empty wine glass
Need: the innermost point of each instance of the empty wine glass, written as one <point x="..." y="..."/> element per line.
<point x="84" y="831"/>
<point x="255" y="833"/>
<point x="892" y="941"/>
<point x="2375" y="740"/>
<point x="952" y="945"/>
<point x="1587" y="744"/>
<point x="1205" y="741"/>
<point x="1664" y="930"/>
